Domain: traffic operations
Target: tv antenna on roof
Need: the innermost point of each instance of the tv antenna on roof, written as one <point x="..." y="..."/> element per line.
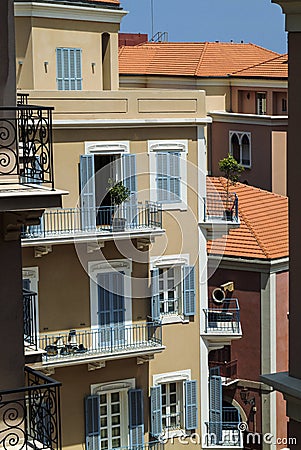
<point x="152" y="16"/>
<point x="160" y="36"/>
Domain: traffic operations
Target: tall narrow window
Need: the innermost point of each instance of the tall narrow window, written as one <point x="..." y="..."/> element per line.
<point x="261" y="103"/>
<point x="240" y="147"/>
<point x="235" y="147"/>
<point x="69" y="69"/>
<point x="106" y="61"/>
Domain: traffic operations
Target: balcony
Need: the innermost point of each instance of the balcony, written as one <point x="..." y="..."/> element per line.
<point x="69" y="223"/>
<point x="26" y="161"/>
<point x="227" y="370"/>
<point x="222" y="322"/>
<point x="30" y="416"/>
<point x="220" y="213"/>
<point x="225" y="433"/>
<point x="30" y="321"/>
<point x="26" y="145"/>
<point x="108" y="342"/>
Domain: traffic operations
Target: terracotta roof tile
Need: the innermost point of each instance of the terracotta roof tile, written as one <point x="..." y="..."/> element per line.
<point x="202" y="59"/>
<point x="263" y="231"/>
<point x="273" y="68"/>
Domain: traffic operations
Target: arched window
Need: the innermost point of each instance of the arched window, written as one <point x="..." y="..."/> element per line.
<point x="240" y="147"/>
<point x="235" y="147"/>
<point x="245" y="150"/>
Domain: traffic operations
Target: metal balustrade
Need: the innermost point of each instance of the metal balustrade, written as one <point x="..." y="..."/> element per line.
<point x="150" y="446"/>
<point x="30" y="319"/>
<point x="116" y="339"/>
<point x="26" y="154"/>
<point x="30" y="416"/>
<point x="223" y="318"/>
<point x="69" y="221"/>
<point x="223" y="434"/>
<point x="220" y="206"/>
<point x="225" y="369"/>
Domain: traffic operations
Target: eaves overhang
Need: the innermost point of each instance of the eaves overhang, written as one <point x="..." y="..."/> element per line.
<point x="50" y="10"/>
<point x="250" y="264"/>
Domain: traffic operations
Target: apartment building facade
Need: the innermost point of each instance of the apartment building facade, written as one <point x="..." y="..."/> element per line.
<point x="246" y="97"/>
<point x="254" y="263"/>
<point x="119" y="291"/>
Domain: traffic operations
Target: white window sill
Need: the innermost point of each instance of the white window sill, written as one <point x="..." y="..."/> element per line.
<point x="173" y="318"/>
<point x="172" y="206"/>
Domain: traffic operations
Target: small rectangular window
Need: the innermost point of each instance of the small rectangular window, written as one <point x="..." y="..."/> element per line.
<point x="172" y="406"/>
<point x="261" y="103"/>
<point x="284" y="105"/>
<point x="69" y="69"/>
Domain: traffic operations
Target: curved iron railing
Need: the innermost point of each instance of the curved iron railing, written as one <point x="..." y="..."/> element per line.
<point x="26" y="154"/>
<point x="30" y="416"/>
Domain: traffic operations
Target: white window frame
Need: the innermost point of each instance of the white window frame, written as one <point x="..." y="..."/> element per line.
<point x="174" y="377"/>
<point x="179" y="146"/>
<point x="240" y="135"/>
<point x="32" y="273"/>
<point x="107" y="147"/>
<point x="165" y="262"/>
<point x="121" y="386"/>
<point x="260" y="102"/>
<point x="116" y="148"/>
<point x="97" y="267"/>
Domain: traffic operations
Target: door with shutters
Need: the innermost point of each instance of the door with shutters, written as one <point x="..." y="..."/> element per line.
<point x="111" y="310"/>
<point x="130" y="206"/>
<point x="215" y="407"/>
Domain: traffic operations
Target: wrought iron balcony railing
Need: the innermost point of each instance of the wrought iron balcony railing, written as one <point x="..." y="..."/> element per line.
<point x="22" y="98"/>
<point x="227" y="370"/>
<point x="223" y="434"/>
<point x="30" y="416"/>
<point x="74" y="221"/>
<point x="149" y="446"/>
<point x="223" y="318"/>
<point x="30" y="319"/>
<point x="26" y="154"/>
<point x="220" y="206"/>
<point x="90" y="344"/>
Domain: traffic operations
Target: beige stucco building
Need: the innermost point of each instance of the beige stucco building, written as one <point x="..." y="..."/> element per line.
<point x="120" y="292"/>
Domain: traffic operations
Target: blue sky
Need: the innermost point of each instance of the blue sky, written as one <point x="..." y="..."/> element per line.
<point x="257" y="21"/>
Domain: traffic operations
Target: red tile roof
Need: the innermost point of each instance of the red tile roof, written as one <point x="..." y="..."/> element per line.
<point x="263" y="231"/>
<point x="202" y="59"/>
<point x="273" y="68"/>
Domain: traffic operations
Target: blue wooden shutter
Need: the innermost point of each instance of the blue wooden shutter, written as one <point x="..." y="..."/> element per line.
<point x="155" y="307"/>
<point x="168" y="177"/>
<point x="78" y="69"/>
<point x="87" y="194"/>
<point x="130" y="206"/>
<point x="59" y="68"/>
<point x="189" y="304"/>
<point x="92" y="423"/>
<point x="163" y="172"/>
<point x="215" y="407"/>
<point x="191" y="408"/>
<point x="136" y="417"/>
<point x="175" y="176"/>
<point x="69" y="69"/>
<point x="156" y="411"/>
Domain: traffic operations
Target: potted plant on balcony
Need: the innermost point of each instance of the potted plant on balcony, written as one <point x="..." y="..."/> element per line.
<point x="231" y="170"/>
<point x="119" y="194"/>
